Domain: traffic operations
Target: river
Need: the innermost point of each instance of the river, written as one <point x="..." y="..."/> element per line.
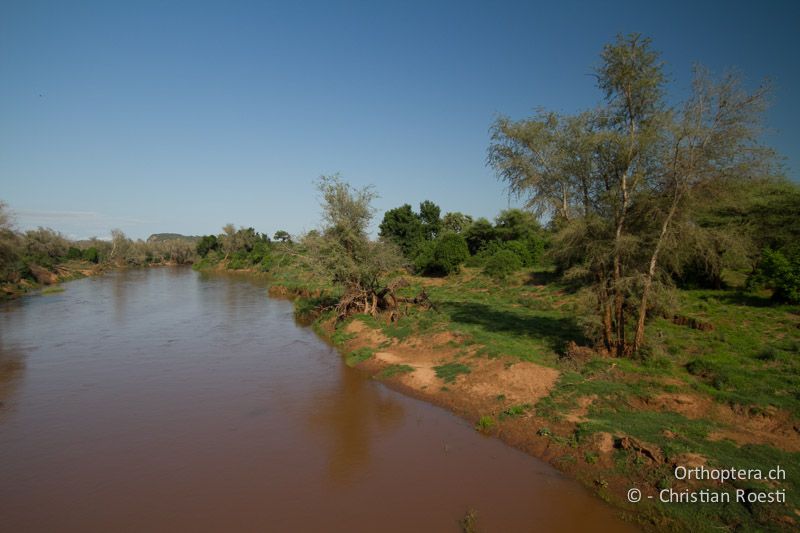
<point x="166" y="400"/>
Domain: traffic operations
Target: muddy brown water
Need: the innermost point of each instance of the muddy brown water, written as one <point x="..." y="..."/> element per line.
<point x="165" y="400"/>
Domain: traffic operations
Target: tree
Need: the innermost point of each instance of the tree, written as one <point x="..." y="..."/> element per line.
<point x="624" y="181"/>
<point x="403" y="227"/>
<point x="206" y="244"/>
<point x="516" y="225"/>
<point x="343" y="253"/>
<point x="479" y="235"/>
<point x="456" y="222"/>
<point x="429" y="214"/>
<point x="443" y="256"/>
<point x="282" y="236"/>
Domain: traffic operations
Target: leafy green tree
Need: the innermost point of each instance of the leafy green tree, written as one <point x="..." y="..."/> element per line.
<point x="479" y="235"/>
<point x="282" y="236"/>
<point x="516" y="225"/>
<point x="403" y="227"/>
<point x="624" y="181"/>
<point x="206" y="244"/>
<point x="456" y="222"/>
<point x="429" y="214"/>
<point x="443" y="256"/>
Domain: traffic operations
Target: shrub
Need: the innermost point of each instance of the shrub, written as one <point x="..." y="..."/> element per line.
<point x="74" y="253"/>
<point x="91" y="254"/>
<point x="501" y="264"/>
<point x="450" y="252"/>
<point x="780" y="271"/>
<point x="520" y="249"/>
<point x="206" y="244"/>
<point x="443" y="256"/>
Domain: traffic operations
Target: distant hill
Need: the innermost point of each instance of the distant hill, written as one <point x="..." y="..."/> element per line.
<point x="159" y="237"/>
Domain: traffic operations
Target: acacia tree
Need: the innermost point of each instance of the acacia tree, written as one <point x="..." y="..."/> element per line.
<point x="622" y="181"/>
<point x="343" y="253"/>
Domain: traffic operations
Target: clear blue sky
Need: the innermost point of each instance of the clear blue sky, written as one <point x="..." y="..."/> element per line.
<point x="184" y="116"/>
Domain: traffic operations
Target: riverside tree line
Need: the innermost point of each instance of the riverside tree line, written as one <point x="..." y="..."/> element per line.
<point x="640" y="197"/>
<point x="625" y="202"/>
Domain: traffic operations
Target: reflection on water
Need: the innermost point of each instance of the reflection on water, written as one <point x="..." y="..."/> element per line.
<point x="12" y="366"/>
<point x="348" y="417"/>
<point x="165" y="400"/>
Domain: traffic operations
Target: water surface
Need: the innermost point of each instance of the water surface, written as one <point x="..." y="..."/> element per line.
<point x="165" y="400"/>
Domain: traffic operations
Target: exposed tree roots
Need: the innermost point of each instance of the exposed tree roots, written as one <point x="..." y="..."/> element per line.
<point x="358" y="300"/>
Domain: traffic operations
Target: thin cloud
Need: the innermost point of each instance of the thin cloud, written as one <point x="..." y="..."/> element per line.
<point x="31" y="217"/>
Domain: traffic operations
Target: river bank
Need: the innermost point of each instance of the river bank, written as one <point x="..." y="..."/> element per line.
<point x="167" y="400"/>
<point x="506" y="359"/>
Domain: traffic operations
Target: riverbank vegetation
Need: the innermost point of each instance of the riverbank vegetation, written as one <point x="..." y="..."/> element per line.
<point x="41" y="257"/>
<point x="641" y="312"/>
<point x="651" y="322"/>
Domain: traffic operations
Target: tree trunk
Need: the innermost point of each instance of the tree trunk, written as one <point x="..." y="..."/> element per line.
<point x="651" y="271"/>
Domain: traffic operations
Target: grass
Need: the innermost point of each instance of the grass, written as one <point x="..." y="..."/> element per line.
<point x="515" y="410"/>
<point x="394" y="370"/>
<point x="358" y="356"/>
<point x="485" y="423"/>
<point x="450" y="371"/>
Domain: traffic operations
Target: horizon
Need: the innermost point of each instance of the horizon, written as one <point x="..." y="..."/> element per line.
<point x="181" y="119"/>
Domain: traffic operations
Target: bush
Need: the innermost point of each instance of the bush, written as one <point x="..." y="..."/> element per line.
<point x="450" y="252"/>
<point x="780" y="271"/>
<point x="519" y="249"/>
<point x="501" y="264"/>
<point x="443" y="256"/>
<point x="206" y="244"/>
<point x="91" y="254"/>
<point x="74" y="253"/>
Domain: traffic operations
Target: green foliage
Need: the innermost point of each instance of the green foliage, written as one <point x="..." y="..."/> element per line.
<point x="456" y="222"/>
<point x="781" y="273"/>
<point x="479" y="235"/>
<point x="429" y="215"/>
<point x="282" y="236"/>
<point x="501" y="264"/>
<point x="357" y="356"/>
<point x="343" y="253"/>
<point x="443" y="256"/>
<point x="74" y="253"/>
<point x="91" y="254"/>
<point x="44" y="247"/>
<point x="207" y="243"/>
<point x="393" y="370"/>
<point x="485" y="423"/>
<point x="403" y="227"/>
<point x="515" y="411"/>
<point x="448" y="372"/>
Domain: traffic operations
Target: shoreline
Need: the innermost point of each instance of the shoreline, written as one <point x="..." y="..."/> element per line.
<point x="520" y="432"/>
<point x="554" y="410"/>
